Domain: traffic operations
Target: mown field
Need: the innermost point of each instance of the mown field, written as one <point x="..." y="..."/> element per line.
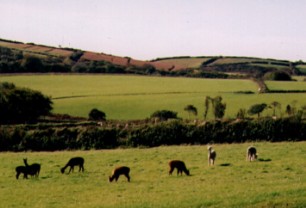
<point x="277" y="179"/>
<point x="137" y="97"/>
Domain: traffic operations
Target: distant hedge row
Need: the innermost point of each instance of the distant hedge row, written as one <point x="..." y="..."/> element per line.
<point x="21" y="138"/>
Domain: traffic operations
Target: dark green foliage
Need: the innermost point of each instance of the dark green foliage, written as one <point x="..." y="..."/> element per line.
<point x="218" y="107"/>
<point x="257" y="109"/>
<point x="278" y="76"/>
<point x="164" y="115"/>
<point x="32" y="64"/>
<point x="176" y="132"/>
<point x="191" y="110"/>
<point x="97" y="115"/>
<point x="94" y="138"/>
<point x="22" y="105"/>
<point x="162" y="134"/>
<point x="76" y="55"/>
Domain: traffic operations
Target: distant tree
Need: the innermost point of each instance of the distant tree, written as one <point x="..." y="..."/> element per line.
<point x="278" y="76"/>
<point x="32" y="64"/>
<point x="257" y="109"/>
<point x="164" y="115"/>
<point x="191" y="110"/>
<point x="217" y="106"/>
<point x="275" y="105"/>
<point x="18" y="105"/>
<point x="97" y="115"/>
<point x="76" y="55"/>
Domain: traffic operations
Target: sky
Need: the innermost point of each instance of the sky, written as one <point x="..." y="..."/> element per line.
<point x="148" y="29"/>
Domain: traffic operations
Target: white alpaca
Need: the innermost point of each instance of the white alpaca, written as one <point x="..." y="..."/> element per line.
<point x="211" y="155"/>
<point x="251" y="153"/>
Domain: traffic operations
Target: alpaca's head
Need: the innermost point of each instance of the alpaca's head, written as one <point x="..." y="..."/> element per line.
<point x="62" y="170"/>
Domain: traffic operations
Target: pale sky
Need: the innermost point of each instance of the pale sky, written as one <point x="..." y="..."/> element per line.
<point x="147" y="29"/>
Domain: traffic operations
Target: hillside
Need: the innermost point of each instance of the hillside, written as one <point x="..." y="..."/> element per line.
<point x="18" y="57"/>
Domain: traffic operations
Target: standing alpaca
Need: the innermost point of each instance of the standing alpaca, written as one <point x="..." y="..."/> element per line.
<point x="21" y="169"/>
<point x="33" y="169"/>
<point x="211" y="156"/>
<point x="251" y="154"/>
<point x="75" y="161"/>
<point x="122" y="170"/>
<point x="180" y="166"/>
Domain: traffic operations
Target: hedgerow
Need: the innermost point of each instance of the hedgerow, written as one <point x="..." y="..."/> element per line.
<point x="174" y="132"/>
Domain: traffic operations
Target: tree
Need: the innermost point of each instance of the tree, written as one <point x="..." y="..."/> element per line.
<point x="19" y="105"/>
<point x="275" y="105"/>
<point x="191" y="110"/>
<point x="164" y="115"/>
<point x="33" y="64"/>
<point x="217" y="106"/>
<point x="257" y="109"/>
<point x="97" y="115"/>
<point x="278" y="76"/>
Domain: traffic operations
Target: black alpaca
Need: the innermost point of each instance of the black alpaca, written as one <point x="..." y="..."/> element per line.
<point x="179" y="165"/>
<point x="122" y="170"/>
<point x="75" y="161"/>
<point x="23" y="170"/>
<point x="33" y="169"/>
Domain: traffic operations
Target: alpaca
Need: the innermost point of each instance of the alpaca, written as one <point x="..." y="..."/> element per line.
<point x="211" y="155"/>
<point x="251" y="153"/>
<point x="180" y="166"/>
<point x="122" y="170"/>
<point x="21" y="169"/>
<point x="75" y="161"/>
<point x="33" y="169"/>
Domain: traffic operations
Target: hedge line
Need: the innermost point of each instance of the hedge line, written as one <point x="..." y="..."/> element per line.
<point x="166" y="133"/>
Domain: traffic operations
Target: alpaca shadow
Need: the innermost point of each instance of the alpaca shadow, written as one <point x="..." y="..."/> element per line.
<point x="225" y="164"/>
<point x="264" y="160"/>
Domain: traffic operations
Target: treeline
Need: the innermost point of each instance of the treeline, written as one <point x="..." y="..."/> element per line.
<point x="175" y="132"/>
<point x="14" y="61"/>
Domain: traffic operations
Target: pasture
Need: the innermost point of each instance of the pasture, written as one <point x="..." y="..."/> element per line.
<point x="126" y="97"/>
<point x="277" y="179"/>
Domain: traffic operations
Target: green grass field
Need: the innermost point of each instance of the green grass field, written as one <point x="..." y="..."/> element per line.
<point x="137" y="97"/>
<point x="278" y="179"/>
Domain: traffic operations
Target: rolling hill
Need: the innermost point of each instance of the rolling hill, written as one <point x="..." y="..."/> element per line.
<point x="57" y="59"/>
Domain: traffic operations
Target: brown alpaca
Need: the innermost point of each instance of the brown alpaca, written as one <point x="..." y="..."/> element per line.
<point x="211" y="155"/>
<point x="251" y="154"/>
<point x="179" y="165"/>
<point x="23" y="170"/>
<point x="32" y="169"/>
<point x="75" y="161"/>
<point x="122" y="170"/>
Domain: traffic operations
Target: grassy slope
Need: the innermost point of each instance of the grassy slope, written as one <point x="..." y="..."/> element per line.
<point x="280" y="182"/>
<point x="137" y="97"/>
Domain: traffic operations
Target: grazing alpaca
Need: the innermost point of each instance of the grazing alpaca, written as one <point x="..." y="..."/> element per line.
<point x="122" y="170"/>
<point x="75" y="161"/>
<point x="179" y="165"/>
<point x="21" y="169"/>
<point x="33" y="169"/>
<point x="211" y="155"/>
<point x="251" y="153"/>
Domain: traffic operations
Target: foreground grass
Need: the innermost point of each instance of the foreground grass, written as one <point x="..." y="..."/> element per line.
<point x="277" y="180"/>
<point x="137" y="97"/>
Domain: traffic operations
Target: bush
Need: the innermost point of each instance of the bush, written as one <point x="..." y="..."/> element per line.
<point x="164" y="115"/>
<point x="97" y="115"/>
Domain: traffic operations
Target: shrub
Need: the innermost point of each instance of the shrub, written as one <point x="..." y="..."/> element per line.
<point x="97" y="115"/>
<point x="164" y="115"/>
